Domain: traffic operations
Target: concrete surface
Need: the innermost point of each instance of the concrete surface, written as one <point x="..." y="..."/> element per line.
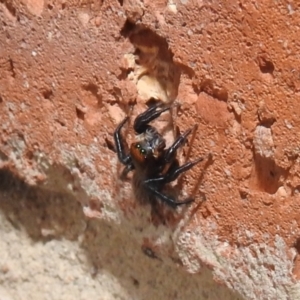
<point x="50" y="250"/>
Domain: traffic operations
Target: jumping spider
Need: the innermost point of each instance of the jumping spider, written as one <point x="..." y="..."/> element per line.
<point x="154" y="165"/>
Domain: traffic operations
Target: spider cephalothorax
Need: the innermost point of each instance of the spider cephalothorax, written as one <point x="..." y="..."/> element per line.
<point x="154" y="166"/>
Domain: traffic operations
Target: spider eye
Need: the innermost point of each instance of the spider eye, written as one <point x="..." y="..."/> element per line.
<point x="141" y="149"/>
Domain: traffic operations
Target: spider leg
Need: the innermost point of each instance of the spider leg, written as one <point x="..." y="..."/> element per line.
<point x="171" y="175"/>
<point x="124" y="158"/>
<point x="171" y="152"/>
<point x="174" y="173"/>
<point x="170" y="201"/>
<point x="141" y="122"/>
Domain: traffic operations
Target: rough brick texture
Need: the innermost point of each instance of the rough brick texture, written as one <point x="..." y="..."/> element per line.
<point x="70" y="72"/>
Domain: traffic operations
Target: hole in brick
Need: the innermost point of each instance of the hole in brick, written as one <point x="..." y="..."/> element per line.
<point x="270" y="267"/>
<point x="12" y="68"/>
<point x="29" y="155"/>
<point x="110" y="145"/>
<point x="243" y="195"/>
<point x="80" y="114"/>
<point x="61" y="122"/>
<point x="161" y="75"/>
<point x="47" y="94"/>
<point x="268" y="122"/>
<point x="125" y="73"/>
<point x="265" y="64"/>
<point x="152" y="102"/>
<point x="1" y="99"/>
<point x="135" y="282"/>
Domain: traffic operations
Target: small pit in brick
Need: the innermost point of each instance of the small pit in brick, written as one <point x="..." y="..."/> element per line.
<point x="61" y="122"/>
<point x="265" y="64"/>
<point x="243" y="195"/>
<point x="110" y="145"/>
<point x="152" y="102"/>
<point x="80" y="114"/>
<point x="12" y="68"/>
<point x="47" y="94"/>
<point x="268" y="122"/>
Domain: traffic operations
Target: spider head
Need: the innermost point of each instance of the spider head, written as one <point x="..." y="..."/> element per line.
<point x="141" y="152"/>
<point x="148" y="149"/>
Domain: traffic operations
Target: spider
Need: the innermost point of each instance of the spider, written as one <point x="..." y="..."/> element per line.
<point x="154" y="166"/>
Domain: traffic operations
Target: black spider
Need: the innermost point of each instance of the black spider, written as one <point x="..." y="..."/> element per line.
<point x="154" y="165"/>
